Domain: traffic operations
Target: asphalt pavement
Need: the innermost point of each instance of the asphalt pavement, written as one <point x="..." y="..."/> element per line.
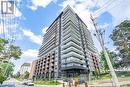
<point x="15" y="83"/>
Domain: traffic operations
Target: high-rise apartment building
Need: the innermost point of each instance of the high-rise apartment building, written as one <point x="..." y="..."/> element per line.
<point x="67" y="48"/>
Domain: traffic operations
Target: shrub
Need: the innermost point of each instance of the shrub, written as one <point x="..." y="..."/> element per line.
<point x="2" y="78"/>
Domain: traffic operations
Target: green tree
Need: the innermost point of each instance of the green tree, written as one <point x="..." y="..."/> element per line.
<point x="17" y="75"/>
<point x="15" y="52"/>
<point x="121" y="37"/>
<point x="2" y="44"/>
<point x="103" y="62"/>
<point x="2" y="77"/>
<point x="7" y="69"/>
<point x="125" y="25"/>
<point x="114" y="58"/>
<point x="26" y="75"/>
<point x="8" y="51"/>
<point x="125" y="28"/>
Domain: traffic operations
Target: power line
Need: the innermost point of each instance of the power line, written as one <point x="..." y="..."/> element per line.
<point x="105" y="6"/>
<point x="101" y="10"/>
<point x="107" y="3"/>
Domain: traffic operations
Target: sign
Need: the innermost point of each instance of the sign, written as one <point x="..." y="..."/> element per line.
<point x="7" y="7"/>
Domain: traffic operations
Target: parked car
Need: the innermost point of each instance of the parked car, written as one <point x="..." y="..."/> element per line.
<point x="24" y="82"/>
<point x="28" y="83"/>
<point x="7" y="85"/>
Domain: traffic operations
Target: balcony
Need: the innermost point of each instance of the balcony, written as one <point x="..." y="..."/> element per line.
<point x="74" y="60"/>
<point x="71" y="43"/>
<point x="73" y="66"/>
<point x="71" y="54"/>
<point x="72" y="49"/>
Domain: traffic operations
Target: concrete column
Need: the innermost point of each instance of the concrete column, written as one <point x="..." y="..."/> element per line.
<point x="49" y="75"/>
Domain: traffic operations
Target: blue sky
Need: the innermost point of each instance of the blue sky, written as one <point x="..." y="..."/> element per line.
<point x="36" y="15"/>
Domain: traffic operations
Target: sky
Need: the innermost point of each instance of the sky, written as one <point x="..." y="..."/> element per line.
<point x="35" y="16"/>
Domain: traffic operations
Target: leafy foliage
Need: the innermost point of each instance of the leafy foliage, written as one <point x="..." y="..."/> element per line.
<point x="103" y="62"/>
<point x="125" y="25"/>
<point x="15" y="52"/>
<point x="2" y="43"/>
<point x="121" y="37"/>
<point x="2" y="77"/>
<point x="114" y="58"/>
<point x="8" y="50"/>
<point x="6" y="70"/>
<point x="26" y="75"/>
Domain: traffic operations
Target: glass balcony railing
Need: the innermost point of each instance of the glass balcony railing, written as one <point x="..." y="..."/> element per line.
<point x="72" y="49"/>
<point x="71" y="54"/>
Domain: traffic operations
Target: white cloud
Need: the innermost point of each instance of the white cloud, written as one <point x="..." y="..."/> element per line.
<point x="68" y="2"/>
<point x="104" y="26"/>
<point x="40" y="3"/>
<point x="82" y="8"/>
<point x="120" y="12"/>
<point x="30" y="53"/>
<point x="119" y="9"/>
<point x="34" y="38"/>
<point x="44" y="30"/>
<point x="17" y="12"/>
<point x="33" y="7"/>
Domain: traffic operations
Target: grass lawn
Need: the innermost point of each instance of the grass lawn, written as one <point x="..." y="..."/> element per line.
<point x="47" y="82"/>
<point x="128" y="85"/>
<point x="19" y="79"/>
<point x="107" y="76"/>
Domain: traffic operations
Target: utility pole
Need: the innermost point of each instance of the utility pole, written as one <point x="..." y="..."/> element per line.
<point x="8" y="20"/>
<point x="101" y="41"/>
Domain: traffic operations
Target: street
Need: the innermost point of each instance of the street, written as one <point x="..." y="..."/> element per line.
<point x="100" y="83"/>
<point x="17" y="83"/>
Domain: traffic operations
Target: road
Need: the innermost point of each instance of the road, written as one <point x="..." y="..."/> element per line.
<point x="17" y="83"/>
<point x="100" y="83"/>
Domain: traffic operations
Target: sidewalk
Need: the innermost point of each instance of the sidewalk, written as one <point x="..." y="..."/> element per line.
<point x="49" y="85"/>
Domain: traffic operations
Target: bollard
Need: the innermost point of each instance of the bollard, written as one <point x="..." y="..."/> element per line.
<point x="86" y="84"/>
<point x="63" y="84"/>
<point x="75" y="84"/>
<point x="69" y="84"/>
